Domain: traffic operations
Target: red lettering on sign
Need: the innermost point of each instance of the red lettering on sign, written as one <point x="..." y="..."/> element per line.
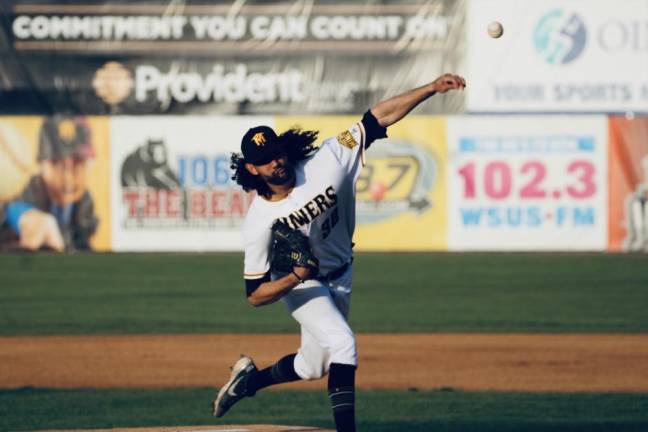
<point x="198" y="204"/>
<point x="217" y="198"/>
<point x="172" y="207"/>
<point x="152" y="204"/>
<point x="130" y="197"/>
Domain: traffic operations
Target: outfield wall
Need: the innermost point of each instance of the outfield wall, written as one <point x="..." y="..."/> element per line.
<point x="460" y="183"/>
<point x="166" y="92"/>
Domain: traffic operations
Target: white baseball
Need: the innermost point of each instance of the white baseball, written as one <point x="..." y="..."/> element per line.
<point x="495" y="29"/>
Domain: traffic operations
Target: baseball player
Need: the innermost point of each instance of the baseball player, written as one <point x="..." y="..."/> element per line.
<point x="55" y="211"/>
<point x="311" y="190"/>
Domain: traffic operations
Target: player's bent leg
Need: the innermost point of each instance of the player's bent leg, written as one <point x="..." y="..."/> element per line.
<point x="246" y="380"/>
<point x="282" y="371"/>
<point x="313" y="360"/>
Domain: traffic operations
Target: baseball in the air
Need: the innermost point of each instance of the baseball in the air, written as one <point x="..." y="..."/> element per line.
<point x="495" y="29"/>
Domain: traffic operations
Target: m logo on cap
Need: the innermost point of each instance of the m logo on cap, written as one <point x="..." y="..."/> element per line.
<point x="259" y="139"/>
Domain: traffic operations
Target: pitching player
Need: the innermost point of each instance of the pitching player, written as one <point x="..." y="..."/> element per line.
<point x="312" y="190"/>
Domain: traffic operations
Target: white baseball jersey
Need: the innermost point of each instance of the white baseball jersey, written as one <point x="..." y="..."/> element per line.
<point x="321" y="205"/>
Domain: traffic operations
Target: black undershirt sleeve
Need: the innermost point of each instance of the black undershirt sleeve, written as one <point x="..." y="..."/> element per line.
<point x="373" y="130"/>
<point x="252" y="284"/>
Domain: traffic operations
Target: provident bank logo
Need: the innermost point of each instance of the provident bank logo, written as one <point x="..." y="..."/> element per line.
<point x="114" y="83"/>
<point x="560" y="36"/>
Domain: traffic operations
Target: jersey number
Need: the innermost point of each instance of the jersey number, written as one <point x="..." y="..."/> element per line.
<point x="330" y="223"/>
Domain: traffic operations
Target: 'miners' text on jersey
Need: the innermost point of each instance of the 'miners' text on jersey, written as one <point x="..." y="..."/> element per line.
<point x="321" y="205"/>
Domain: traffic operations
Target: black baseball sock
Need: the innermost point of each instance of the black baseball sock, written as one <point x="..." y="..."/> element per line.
<point x="341" y="388"/>
<point x="281" y="372"/>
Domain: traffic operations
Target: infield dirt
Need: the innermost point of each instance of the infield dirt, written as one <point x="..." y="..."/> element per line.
<point x="505" y="362"/>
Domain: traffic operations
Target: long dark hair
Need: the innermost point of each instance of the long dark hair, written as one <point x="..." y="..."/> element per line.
<point x="298" y="144"/>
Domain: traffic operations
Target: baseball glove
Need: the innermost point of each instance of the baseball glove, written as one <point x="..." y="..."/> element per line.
<point x="290" y="248"/>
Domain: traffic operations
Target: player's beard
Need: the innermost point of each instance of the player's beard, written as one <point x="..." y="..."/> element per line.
<point x="282" y="175"/>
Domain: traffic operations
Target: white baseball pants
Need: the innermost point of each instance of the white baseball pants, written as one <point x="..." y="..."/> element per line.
<point x="321" y="309"/>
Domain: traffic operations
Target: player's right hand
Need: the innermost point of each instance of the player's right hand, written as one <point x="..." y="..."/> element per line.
<point x="448" y="82"/>
<point x="39" y="229"/>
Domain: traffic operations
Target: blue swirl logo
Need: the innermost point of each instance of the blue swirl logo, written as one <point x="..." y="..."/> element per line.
<point x="560" y="37"/>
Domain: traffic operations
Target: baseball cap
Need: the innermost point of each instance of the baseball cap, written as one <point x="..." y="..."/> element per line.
<point x="62" y="136"/>
<point x="260" y="145"/>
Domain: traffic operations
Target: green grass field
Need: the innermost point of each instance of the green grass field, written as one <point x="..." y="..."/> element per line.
<point x="198" y="293"/>
<point x="378" y="411"/>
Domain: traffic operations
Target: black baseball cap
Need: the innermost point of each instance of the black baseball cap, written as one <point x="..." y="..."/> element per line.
<point x="62" y="136"/>
<point x="260" y="145"/>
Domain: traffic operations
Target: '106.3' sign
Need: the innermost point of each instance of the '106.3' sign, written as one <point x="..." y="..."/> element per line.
<point x="521" y="183"/>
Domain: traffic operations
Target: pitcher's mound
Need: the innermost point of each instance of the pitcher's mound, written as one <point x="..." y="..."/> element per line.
<point x="230" y="428"/>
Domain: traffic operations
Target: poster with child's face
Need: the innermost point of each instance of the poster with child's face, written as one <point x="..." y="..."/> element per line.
<point x="54" y="188"/>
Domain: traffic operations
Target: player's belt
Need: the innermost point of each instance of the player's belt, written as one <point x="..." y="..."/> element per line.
<point x="331" y="276"/>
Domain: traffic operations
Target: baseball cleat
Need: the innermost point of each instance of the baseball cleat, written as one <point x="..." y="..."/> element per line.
<point x="236" y="388"/>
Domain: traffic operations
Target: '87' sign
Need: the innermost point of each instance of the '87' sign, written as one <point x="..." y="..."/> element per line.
<point x="522" y="183"/>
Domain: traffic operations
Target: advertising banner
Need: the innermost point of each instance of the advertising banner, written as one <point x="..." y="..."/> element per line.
<point x="227" y="26"/>
<point x="558" y="56"/>
<point x="171" y="183"/>
<point x="225" y="57"/>
<point x="401" y="192"/>
<point x="54" y="192"/>
<point x="527" y="183"/>
<point x="628" y="184"/>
